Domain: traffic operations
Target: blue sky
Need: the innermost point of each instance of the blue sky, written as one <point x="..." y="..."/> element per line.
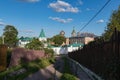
<point x="30" y="16"/>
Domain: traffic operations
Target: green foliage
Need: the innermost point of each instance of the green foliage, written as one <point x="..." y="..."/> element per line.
<point x="35" y="44"/>
<point x="66" y="66"/>
<point x="48" y="51"/>
<point x="44" y="62"/>
<point x="113" y="22"/>
<point x="10" y="33"/>
<point x="58" y="40"/>
<point x="30" y="67"/>
<point x="52" y="60"/>
<point x="67" y="76"/>
<point x="9" y="52"/>
<point x="5" y="73"/>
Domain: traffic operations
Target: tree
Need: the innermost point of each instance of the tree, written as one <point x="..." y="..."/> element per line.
<point x="10" y="33"/>
<point x="58" y="40"/>
<point x="113" y="22"/>
<point x="35" y="44"/>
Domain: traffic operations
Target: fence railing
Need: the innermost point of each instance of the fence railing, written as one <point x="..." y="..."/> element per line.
<point x="75" y="65"/>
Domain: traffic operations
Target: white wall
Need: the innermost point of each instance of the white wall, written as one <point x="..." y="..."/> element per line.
<point x="22" y="43"/>
<point x="43" y="39"/>
<point x="64" y="50"/>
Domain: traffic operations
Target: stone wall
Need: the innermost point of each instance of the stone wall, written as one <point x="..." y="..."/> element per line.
<point x="25" y="55"/>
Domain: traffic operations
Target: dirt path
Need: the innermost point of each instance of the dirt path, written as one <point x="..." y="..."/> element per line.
<point x="53" y="72"/>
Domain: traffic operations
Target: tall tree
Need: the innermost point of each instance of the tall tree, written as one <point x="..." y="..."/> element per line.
<point x="58" y="40"/>
<point x="114" y="21"/>
<point x="10" y="35"/>
<point x="35" y="44"/>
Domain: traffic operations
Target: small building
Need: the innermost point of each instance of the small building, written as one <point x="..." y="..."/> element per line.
<point x="83" y="38"/>
<point x="23" y="41"/>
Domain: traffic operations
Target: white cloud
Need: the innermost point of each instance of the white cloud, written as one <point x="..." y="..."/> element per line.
<point x="61" y="6"/>
<point x="30" y="0"/>
<point x="88" y="9"/>
<point x="61" y="20"/>
<point x="80" y="2"/>
<point x="100" y="21"/>
<point x="1" y="23"/>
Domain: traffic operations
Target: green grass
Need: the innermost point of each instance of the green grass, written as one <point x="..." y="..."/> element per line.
<point x="66" y="66"/>
<point x="30" y="67"/>
<point x="6" y="72"/>
<point x="67" y="76"/>
<point x="67" y="73"/>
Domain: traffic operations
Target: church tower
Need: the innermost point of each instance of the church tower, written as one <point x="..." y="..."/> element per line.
<point x="73" y="34"/>
<point x="42" y="36"/>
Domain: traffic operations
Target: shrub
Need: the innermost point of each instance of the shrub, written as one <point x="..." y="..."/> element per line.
<point x="52" y="60"/>
<point x="67" y="76"/>
<point x="50" y="52"/>
<point x="44" y="62"/>
<point x="9" y="52"/>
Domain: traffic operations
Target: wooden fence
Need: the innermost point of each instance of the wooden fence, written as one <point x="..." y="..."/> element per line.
<point x="3" y="57"/>
<point x="103" y="58"/>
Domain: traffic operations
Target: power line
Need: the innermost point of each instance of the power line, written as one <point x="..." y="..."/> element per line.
<point x="95" y="15"/>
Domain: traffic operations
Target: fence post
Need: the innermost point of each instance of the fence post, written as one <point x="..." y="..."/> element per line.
<point x="3" y="57"/>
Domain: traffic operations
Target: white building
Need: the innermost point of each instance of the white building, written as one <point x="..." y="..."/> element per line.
<point x="67" y="48"/>
<point x="23" y="41"/>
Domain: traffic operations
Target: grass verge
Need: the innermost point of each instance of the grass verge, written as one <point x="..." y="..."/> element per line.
<point x="30" y="67"/>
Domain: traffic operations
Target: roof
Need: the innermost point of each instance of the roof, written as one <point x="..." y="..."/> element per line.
<point x="75" y="45"/>
<point x="25" y="38"/>
<point x="42" y="33"/>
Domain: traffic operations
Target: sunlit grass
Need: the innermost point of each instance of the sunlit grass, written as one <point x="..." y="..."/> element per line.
<point x="30" y="67"/>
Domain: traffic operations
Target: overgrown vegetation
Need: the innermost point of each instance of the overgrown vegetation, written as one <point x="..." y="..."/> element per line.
<point x="58" y="40"/>
<point x="114" y="22"/>
<point x="9" y="52"/>
<point x="67" y="74"/>
<point x="30" y="67"/>
<point x="35" y="44"/>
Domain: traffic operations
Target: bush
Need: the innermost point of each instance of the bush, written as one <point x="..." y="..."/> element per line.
<point x="9" y="52"/>
<point x="50" y="52"/>
<point x="52" y="60"/>
<point x="44" y="62"/>
<point x="67" y="76"/>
